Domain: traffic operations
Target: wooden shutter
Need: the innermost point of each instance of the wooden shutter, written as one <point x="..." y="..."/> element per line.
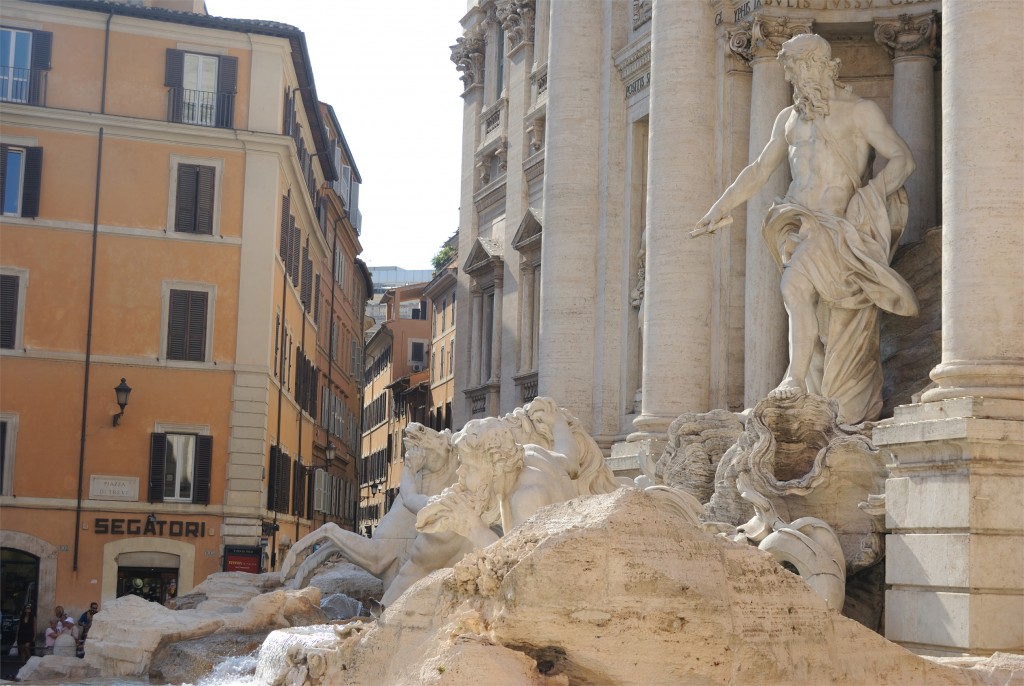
<point x="298" y="489"/>
<point x="308" y="492"/>
<point x="174" y="68"/>
<point x="204" y="199"/>
<point x="157" y="458"/>
<point x="314" y="392"/>
<point x="3" y="172"/>
<point x="185" y="198"/>
<point x="294" y="262"/>
<point x="227" y="77"/>
<point x="177" y="325"/>
<point x="8" y="310"/>
<point x="316" y="300"/>
<point x="272" y="479"/>
<point x="174" y="71"/>
<point x="286" y="208"/>
<point x="193" y="212"/>
<point x="196" y="340"/>
<point x="286" y="119"/>
<point x="32" y="183"/>
<point x="307" y="279"/>
<point x="203" y="470"/>
<point x="318" y="490"/>
<point x="300" y="376"/>
<point x="186" y="326"/>
<point x="42" y="50"/>
<point x="284" y="482"/>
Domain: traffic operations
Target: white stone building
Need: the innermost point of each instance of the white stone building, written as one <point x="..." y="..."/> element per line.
<point x="597" y="133"/>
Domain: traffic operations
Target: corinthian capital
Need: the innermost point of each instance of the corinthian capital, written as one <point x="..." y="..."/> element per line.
<point x="762" y="36"/>
<point x="516" y="17"/>
<point x="468" y="56"/>
<point x="909" y="36"/>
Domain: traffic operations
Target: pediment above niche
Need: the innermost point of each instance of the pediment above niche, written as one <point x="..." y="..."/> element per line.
<point x="485" y="255"/>
<point x="528" y="234"/>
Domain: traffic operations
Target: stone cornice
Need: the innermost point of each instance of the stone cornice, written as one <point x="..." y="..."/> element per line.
<point x="762" y="36"/>
<point x="634" y="59"/>
<point x="909" y="36"/>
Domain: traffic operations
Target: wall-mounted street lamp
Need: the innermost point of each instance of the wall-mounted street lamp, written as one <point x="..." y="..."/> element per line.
<point x="330" y="452"/>
<point x="122" y="390"/>
<point x="375" y="488"/>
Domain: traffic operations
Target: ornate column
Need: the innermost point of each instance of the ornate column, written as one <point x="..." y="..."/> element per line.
<point x="678" y="280"/>
<point x="766" y="352"/>
<point x="955" y="499"/>
<point x="526" y="318"/>
<point x="499" y="280"/>
<point x="572" y="182"/>
<point x="476" y="333"/>
<point x="912" y="45"/>
<point x="467" y="54"/>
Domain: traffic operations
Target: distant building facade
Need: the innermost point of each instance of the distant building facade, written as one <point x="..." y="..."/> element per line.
<point x="173" y="198"/>
<point x="395" y="390"/>
<point x="441" y="291"/>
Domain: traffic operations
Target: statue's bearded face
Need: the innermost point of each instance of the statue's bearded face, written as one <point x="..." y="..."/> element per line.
<point x="810" y="78"/>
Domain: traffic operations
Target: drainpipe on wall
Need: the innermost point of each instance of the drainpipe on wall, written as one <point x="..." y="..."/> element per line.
<point x="88" y="346"/>
<point x="106" y="52"/>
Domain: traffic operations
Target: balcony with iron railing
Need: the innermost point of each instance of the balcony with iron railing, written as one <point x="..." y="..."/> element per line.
<point x="23" y="85"/>
<point x="201" y="108"/>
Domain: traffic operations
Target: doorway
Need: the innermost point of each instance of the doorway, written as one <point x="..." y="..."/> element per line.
<point x="156" y="584"/>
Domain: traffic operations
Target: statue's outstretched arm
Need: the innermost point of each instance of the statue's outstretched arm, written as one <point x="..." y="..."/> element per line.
<point x="749" y="181"/>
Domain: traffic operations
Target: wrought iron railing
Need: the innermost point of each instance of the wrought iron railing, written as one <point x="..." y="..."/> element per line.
<point x="202" y="108"/>
<point x="23" y="85"/>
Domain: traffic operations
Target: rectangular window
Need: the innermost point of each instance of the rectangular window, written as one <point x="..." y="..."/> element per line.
<point x="186" y="326"/>
<point x="24" y="57"/>
<point x="180" y="467"/>
<point x="278" y="480"/>
<point x="202" y="88"/>
<point x="442" y="361"/>
<point x="417" y="352"/>
<point x="21" y="171"/>
<point x="9" y="292"/>
<point x="193" y="211"/>
<point x="15" y="64"/>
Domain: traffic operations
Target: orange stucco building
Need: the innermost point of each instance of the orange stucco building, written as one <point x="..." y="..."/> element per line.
<point x="441" y="291"/>
<point x="396" y="382"/>
<point x="176" y="204"/>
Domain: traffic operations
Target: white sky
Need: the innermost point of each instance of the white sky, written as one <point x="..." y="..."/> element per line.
<point x="386" y="69"/>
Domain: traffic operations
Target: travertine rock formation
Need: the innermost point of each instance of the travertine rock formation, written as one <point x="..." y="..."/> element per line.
<point x="130" y="630"/>
<point x="614" y="589"/>
<point x="795" y="453"/>
<point x="696" y="443"/>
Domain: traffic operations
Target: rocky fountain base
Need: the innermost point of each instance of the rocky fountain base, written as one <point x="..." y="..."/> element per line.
<point x="611" y="589"/>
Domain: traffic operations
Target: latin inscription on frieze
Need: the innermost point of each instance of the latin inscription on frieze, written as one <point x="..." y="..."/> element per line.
<point x="750" y="6"/>
<point x="638" y="85"/>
